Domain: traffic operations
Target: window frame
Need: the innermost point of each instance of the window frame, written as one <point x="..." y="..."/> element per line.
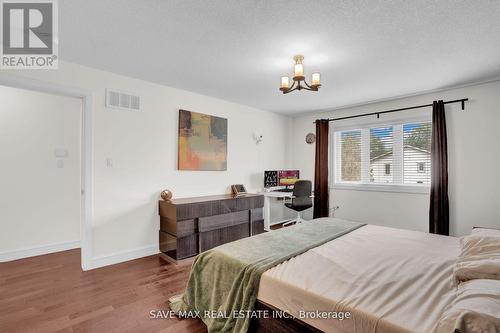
<point x="397" y="141"/>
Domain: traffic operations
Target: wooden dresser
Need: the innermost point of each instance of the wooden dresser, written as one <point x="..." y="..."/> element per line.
<point x="189" y="226"/>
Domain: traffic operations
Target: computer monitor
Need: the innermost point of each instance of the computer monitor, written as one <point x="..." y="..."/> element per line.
<point x="287" y="177"/>
<point x="270" y="178"/>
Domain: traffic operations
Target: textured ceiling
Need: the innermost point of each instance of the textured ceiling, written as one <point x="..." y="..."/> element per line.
<point x="237" y="50"/>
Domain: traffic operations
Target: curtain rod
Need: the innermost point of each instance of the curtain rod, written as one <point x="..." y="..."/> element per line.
<point x="462" y="100"/>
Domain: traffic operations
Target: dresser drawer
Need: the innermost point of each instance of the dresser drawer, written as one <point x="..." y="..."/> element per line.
<point x="218" y="207"/>
<point x="210" y="223"/>
<point x="178" y="247"/>
<point x="187" y="227"/>
<point x="213" y="238"/>
<point x="179" y="228"/>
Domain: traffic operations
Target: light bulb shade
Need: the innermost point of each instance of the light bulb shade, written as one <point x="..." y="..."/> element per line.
<point x="285" y="82"/>
<point x="298" y="70"/>
<point x="315" y="79"/>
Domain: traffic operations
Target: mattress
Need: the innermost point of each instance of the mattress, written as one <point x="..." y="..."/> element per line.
<point x="389" y="280"/>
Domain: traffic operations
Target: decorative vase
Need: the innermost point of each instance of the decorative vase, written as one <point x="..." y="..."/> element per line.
<point x="166" y="195"/>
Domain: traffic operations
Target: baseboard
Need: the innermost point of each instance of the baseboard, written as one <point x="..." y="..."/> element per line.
<point x="97" y="262"/>
<point x="118" y="257"/>
<point x="37" y="251"/>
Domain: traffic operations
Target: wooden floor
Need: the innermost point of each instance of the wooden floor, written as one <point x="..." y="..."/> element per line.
<point x="50" y="293"/>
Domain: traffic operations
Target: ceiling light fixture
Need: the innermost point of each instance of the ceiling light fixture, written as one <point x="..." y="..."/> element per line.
<point x="299" y="81"/>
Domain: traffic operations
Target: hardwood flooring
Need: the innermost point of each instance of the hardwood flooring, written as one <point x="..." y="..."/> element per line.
<point x="51" y="293"/>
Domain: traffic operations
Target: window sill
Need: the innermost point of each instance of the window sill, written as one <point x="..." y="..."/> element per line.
<point x="383" y="188"/>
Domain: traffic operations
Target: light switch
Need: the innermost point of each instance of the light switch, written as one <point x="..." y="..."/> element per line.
<point x="109" y="162"/>
<point x="61" y="153"/>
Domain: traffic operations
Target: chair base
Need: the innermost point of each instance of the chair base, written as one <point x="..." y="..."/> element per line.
<point x="297" y="220"/>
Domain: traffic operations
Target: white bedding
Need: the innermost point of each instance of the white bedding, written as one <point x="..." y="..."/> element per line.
<point x="479" y="258"/>
<point x="390" y="280"/>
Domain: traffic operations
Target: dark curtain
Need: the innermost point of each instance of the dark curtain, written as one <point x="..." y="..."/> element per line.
<point x="321" y="169"/>
<point x="439" y="218"/>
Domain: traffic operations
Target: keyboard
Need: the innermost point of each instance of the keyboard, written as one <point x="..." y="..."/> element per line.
<point x="283" y="190"/>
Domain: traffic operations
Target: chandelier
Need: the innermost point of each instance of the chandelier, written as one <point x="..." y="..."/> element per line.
<point x="299" y="81"/>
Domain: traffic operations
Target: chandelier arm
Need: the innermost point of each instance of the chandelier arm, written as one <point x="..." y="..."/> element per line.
<point x="311" y="88"/>
<point x="308" y="86"/>
<point x="292" y="88"/>
<point x="289" y="91"/>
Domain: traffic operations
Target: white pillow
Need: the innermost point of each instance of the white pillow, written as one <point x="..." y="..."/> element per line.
<point x="486" y="231"/>
<point x="479" y="258"/>
<point x="475" y="309"/>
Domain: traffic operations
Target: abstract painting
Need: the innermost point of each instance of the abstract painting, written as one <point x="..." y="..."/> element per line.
<point x="202" y="142"/>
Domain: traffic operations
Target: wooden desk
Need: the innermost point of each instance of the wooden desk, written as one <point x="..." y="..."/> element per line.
<point x="189" y="226"/>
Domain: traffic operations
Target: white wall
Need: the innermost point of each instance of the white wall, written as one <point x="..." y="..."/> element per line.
<point x="143" y="148"/>
<point x="473" y="157"/>
<point x="40" y="194"/>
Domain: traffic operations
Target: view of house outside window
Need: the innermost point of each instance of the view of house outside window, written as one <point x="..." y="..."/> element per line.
<point x="417" y="153"/>
<point x="381" y="155"/>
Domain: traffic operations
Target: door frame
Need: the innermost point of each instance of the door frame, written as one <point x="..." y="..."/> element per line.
<point x="86" y="96"/>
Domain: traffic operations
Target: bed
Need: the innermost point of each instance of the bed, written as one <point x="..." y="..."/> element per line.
<point x="389" y="280"/>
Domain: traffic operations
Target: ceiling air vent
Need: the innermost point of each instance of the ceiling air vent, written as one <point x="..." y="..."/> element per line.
<point x="124" y="101"/>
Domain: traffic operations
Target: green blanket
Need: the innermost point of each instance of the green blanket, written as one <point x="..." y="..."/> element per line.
<point x="226" y="279"/>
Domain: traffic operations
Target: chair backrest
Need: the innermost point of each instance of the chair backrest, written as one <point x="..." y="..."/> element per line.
<point x="302" y="188"/>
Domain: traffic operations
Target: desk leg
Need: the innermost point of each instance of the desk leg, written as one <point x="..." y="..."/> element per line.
<point x="267" y="213"/>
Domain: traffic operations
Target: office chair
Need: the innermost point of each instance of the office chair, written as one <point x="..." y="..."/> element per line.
<point x="301" y="199"/>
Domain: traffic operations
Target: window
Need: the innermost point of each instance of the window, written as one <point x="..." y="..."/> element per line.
<point x="417" y="153"/>
<point x="380" y="155"/>
<point x="350" y="146"/>
<point x="421" y="167"/>
<point x="391" y="155"/>
<point x="387" y="169"/>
